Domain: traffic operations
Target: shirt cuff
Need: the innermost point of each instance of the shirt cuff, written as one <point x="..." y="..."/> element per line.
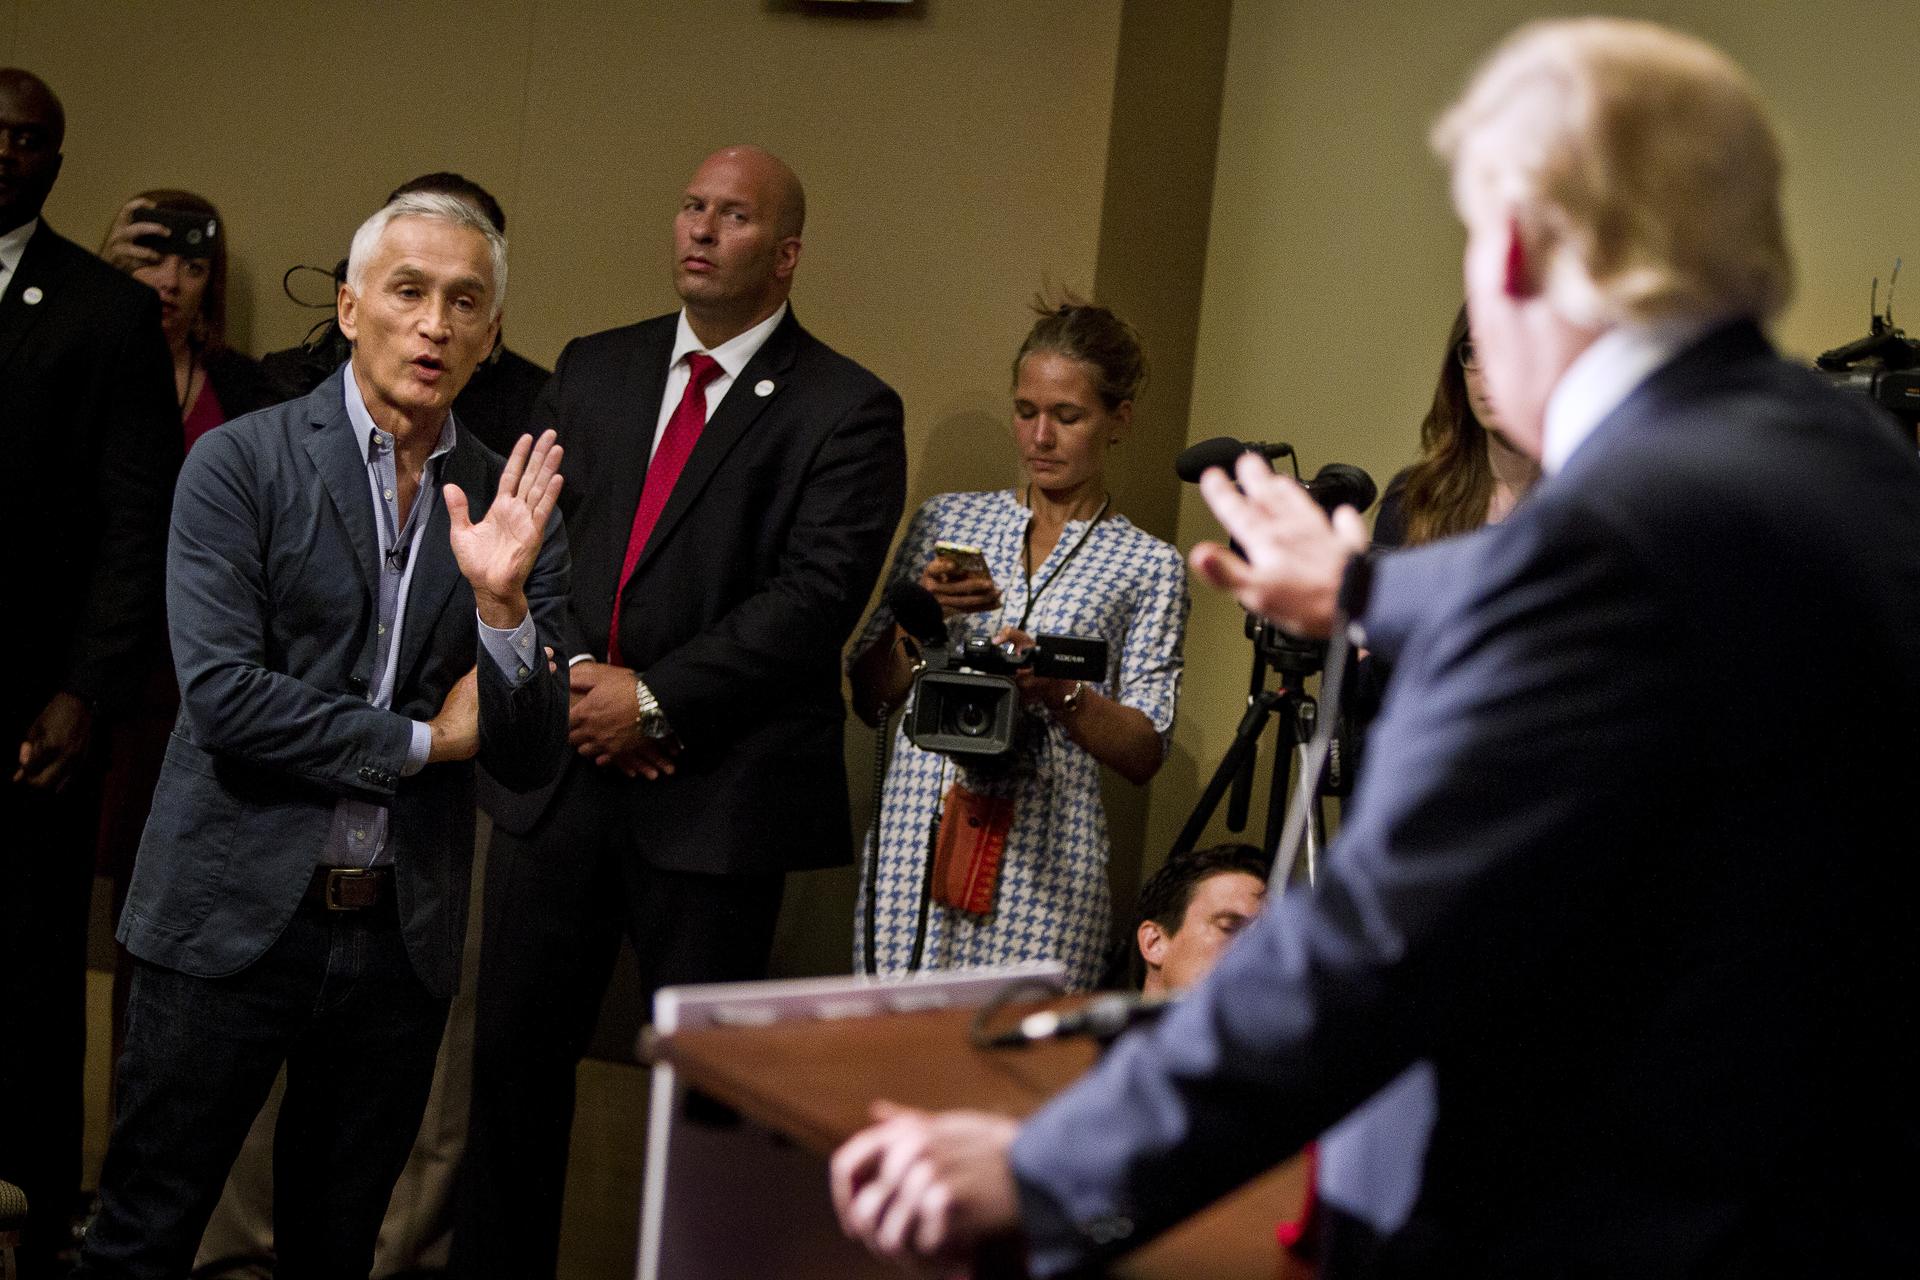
<point x="512" y="651"/>
<point x="418" y="750"/>
<point x="579" y="658"/>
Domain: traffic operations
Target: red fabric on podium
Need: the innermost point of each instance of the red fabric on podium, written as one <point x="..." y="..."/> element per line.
<point x="683" y="429"/>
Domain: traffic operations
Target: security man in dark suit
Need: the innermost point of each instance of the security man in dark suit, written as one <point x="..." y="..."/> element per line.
<point x="358" y="595"/>
<point x="93" y="441"/>
<point x="740" y="482"/>
<point x="1631" y="865"/>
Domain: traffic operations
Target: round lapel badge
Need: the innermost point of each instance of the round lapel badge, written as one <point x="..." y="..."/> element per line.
<point x="32" y="296"/>
<point x="763" y="388"/>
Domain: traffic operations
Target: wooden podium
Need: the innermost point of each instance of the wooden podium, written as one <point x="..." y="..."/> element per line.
<point x="741" y="1190"/>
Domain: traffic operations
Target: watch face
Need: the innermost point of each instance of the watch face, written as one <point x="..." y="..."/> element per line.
<point x="654" y="725"/>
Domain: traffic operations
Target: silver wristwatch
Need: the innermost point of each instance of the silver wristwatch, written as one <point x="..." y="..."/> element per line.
<point x="648" y="715"/>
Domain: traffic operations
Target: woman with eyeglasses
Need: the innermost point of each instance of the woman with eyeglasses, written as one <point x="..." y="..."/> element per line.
<point x="1468" y="474"/>
<point x="1366" y="1169"/>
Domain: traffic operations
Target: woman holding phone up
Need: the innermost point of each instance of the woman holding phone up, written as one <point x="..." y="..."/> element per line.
<point x="1020" y="848"/>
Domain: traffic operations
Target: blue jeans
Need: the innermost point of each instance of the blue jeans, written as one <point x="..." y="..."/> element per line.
<point x="336" y="1000"/>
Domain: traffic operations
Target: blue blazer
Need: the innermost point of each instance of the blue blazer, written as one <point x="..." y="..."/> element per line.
<point x="272" y="567"/>
<point x="1631" y="865"/>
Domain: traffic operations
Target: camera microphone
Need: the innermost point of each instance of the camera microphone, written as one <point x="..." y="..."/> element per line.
<point x="1341" y="484"/>
<point x="1338" y="484"/>
<point x="1102" y="1018"/>
<point x="918" y="613"/>
<point x="1197" y="459"/>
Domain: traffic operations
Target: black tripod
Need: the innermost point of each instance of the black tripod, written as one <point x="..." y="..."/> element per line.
<point x="1293" y="660"/>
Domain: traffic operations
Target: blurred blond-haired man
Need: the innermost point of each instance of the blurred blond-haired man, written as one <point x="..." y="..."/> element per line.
<point x="1575" y="876"/>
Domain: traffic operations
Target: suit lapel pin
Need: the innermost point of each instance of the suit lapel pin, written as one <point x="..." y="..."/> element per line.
<point x="763" y="388"/>
<point x="32" y="297"/>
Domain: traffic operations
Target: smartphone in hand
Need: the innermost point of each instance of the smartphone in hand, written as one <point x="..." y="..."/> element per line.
<point x="966" y="558"/>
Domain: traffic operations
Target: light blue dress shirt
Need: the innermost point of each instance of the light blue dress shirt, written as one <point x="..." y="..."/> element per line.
<point x="358" y="837"/>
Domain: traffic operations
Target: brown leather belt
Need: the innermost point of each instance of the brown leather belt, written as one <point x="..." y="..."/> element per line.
<point x="348" y="888"/>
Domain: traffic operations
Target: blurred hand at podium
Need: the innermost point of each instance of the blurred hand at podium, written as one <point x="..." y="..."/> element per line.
<point x="928" y="1190"/>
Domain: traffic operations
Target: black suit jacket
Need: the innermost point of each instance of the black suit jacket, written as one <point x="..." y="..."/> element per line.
<point x="240" y="385"/>
<point x="272" y="569"/>
<point x="754" y="575"/>
<point x="92" y="435"/>
<point x="1631" y="865"/>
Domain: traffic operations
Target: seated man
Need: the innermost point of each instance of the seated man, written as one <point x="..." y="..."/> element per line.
<point x="1191" y="908"/>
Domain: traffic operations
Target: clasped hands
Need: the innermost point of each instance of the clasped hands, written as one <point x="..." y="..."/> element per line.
<point x="603" y="724"/>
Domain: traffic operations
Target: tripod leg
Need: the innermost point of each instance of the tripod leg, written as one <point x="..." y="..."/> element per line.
<point x="1286" y="756"/>
<point x="1243" y="780"/>
<point x="1246" y="744"/>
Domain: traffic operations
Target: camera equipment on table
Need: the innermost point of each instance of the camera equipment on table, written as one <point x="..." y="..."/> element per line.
<point x="965" y="702"/>
<point x="1884" y="366"/>
<point x="1293" y="659"/>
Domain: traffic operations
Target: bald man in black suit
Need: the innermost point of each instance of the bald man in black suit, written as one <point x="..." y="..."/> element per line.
<point x="709" y="612"/>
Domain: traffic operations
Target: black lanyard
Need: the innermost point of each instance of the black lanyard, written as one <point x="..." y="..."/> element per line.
<point x="1026" y="554"/>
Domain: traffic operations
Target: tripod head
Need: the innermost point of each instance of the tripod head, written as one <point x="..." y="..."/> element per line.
<point x="1284" y="652"/>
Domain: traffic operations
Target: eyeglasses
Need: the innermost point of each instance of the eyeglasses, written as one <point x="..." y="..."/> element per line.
<point x="1465" y="354"/>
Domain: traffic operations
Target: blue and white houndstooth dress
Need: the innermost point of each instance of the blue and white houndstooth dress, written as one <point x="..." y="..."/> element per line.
<point x="1052" y="900"/>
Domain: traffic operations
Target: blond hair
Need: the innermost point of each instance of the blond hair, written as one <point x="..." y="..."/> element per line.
<point x="1639" y="163"/>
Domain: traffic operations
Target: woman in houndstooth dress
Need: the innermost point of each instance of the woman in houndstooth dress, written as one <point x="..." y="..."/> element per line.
<point x="1059" y="560"/>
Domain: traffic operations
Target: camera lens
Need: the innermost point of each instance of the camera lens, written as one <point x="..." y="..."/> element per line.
<point x="972" y="719"/>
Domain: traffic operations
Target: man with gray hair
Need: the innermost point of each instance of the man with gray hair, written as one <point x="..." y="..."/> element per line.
<point x="358" y="593"/>
<point x="1629" y="874"/>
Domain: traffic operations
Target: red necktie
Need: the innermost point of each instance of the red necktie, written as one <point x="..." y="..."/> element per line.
<point x="683" y="429"/>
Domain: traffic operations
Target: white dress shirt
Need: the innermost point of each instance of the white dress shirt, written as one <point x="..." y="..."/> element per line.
<point x="732" y="356"/>
<point x="13" y="246"/>
<point x="1606" y="373"/>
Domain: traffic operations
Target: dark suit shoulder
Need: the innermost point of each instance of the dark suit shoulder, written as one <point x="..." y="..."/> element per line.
<point x="821" y="361"/>
<point x="619" y="344"/>
<point x="113" y="295"/>
<point x="474" y="448"/>
<point x="238" y="382"/>
<point x="1738" y="431"/>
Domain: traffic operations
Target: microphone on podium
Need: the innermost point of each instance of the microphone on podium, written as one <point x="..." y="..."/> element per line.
<point x="1102" y="1018"/>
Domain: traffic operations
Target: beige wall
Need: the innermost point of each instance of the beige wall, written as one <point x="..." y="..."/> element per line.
<point x="1333" y="259"/>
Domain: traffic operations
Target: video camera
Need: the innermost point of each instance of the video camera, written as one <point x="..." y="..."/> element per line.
<point x="1884" y="366"/>
<point x="965" y="702"/>
<point x="1338" y="484"/>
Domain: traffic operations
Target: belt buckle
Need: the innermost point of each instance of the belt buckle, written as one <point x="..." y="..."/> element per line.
<point x="338" y="881"/>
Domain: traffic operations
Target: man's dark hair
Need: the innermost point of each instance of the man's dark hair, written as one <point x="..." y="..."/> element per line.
<point x="1168" y="892"/>
<point x="460" y="186"/>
